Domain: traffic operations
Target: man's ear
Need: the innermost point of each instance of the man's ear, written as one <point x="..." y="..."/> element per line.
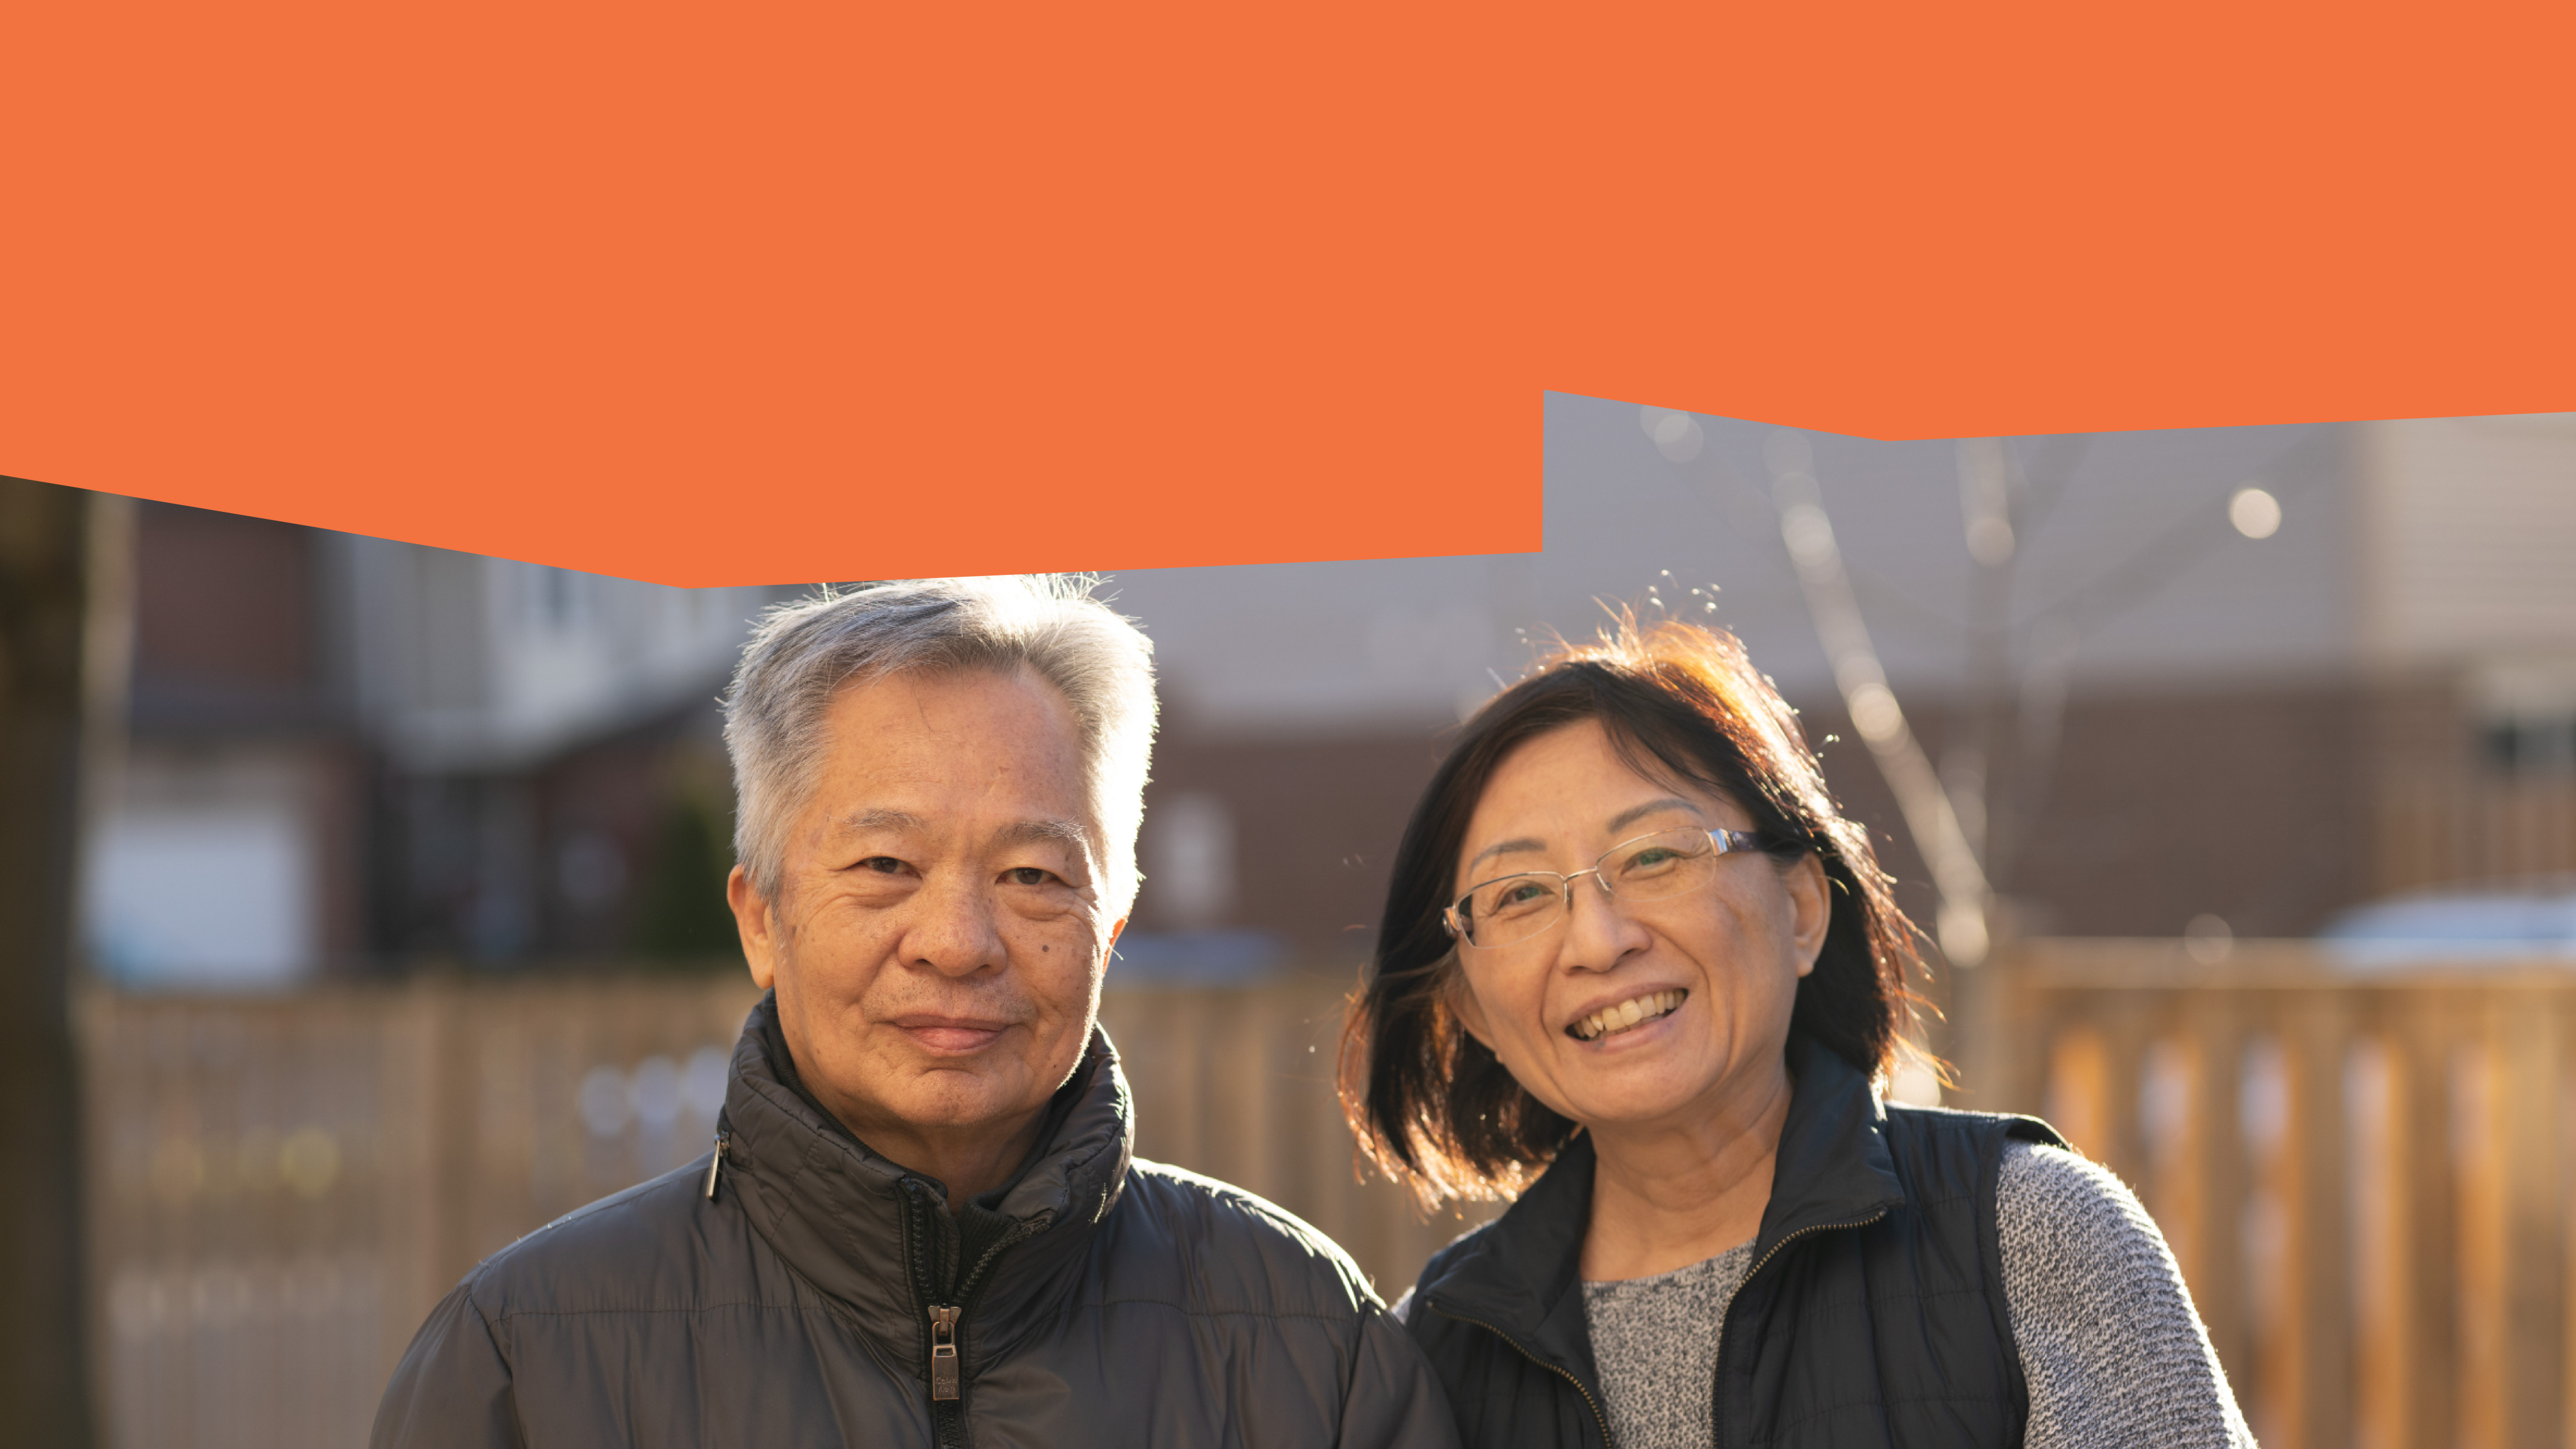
<point x="752" y="919"/>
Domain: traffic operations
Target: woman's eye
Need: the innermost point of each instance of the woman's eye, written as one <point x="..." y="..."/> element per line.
<point x="882" y="865"/>
<point x="1649" y="859"/>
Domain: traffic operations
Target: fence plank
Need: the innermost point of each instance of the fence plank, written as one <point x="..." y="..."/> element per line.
<point x="2427" y="1304"/>
<point x="2079" y="1089"/>
<point x="2527" y="1050"/>
<point x="2318" y="1196"/>
<point x="2479" y="1266"/>
<point x="2383" y="1373"/>
<point x="2125" y="1036"/>
<point x="2216" y="1179"/>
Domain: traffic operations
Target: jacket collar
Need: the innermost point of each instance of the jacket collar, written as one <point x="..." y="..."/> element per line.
<point x="1521" y="1278"/>
<point x="851" y="1222"/>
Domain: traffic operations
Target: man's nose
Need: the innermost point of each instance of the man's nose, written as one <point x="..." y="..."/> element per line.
<point x="952" y="930"/>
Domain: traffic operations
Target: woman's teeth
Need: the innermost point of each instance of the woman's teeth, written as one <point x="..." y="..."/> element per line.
<point x="1612" y="1020"/>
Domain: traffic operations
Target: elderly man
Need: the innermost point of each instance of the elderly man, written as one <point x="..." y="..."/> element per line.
<point x="921" y="1223"/>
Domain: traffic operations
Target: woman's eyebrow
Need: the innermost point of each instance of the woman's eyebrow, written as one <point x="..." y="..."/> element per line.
<point x="1618" y="822"/>
<point x="1635" y="813"/>
<point x="1506" y="847"/>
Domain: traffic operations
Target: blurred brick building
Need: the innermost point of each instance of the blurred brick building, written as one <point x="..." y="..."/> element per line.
<point x="347" y="753"/>
<point x="2148" y="715"/>
<point x="344" y="753"/>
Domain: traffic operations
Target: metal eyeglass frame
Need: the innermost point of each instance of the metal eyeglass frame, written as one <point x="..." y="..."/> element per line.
<point x="1728" y="842"/>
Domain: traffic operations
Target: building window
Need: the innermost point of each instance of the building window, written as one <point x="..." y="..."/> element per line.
<point x="208" y="897"/>
<point x="2531" y="746"/>
<point x="1189" y="861"/>
<point x="2526" y="715"/>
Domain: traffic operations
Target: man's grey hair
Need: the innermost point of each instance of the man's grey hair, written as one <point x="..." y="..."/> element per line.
<point x="803" y="654"/>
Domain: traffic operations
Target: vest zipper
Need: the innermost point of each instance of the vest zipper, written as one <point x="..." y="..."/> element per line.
<point x="1785" y="1240"/>
<point x="1717" y="1375"/>
<point x="1601" y="1420"/>
<point x="1598" y="1418"/>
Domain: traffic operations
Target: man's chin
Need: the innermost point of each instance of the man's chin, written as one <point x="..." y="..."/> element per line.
<point x="957" y="1099"/>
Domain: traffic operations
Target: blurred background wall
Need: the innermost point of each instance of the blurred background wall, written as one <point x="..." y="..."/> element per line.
<point x="347" y="756"/>
<point x="399" y="914"/>
<point x="2146" y="714"/>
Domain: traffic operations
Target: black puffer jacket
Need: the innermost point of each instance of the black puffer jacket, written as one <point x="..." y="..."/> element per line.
<point x="1104" y="1302"/>
<point x="1873" y="1316"/>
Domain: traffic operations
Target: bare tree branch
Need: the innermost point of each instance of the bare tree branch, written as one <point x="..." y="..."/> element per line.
<point x="1862" y="681"/>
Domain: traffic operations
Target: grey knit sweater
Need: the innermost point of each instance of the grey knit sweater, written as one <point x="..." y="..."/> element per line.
<point x="2112" y="1350"/>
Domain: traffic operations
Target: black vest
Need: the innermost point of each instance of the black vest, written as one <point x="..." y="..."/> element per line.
<point x="1873" y="1314"/>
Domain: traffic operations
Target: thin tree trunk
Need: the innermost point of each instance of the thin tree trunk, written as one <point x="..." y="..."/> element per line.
<point x="44" y="1389"/>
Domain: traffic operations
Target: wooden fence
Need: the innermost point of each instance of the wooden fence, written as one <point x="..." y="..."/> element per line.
<point x="2366" y="1177"/>
<point x="281" y="1188"/>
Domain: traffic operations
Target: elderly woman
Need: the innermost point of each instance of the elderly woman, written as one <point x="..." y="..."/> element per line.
<point x="1639" y="975"/>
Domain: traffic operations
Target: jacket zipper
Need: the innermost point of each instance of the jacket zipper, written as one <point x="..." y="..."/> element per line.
<point x="943" y="1352"/>
<point x="724" y="1139"/>
<point x="921" y="1234"/>
<point x="944" y="1320"/>
<point x="947" y="1382"/>
<point x="1598" y="1417"/>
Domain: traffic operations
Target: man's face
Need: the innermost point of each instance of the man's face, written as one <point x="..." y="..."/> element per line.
<point x="937" y="945"/>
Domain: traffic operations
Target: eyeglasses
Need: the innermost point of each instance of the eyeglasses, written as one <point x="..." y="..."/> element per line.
<point x="1508" y="910"/>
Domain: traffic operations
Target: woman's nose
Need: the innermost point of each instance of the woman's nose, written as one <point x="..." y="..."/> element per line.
<point x="1597" y="931"/>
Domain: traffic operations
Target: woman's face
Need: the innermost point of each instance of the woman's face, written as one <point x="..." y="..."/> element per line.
<point x="1712" y="973"/>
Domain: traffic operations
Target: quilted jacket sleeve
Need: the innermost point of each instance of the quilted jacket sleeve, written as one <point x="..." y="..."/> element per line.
<point x="1394" y="1401"/>
<point x="452" y="1389"/>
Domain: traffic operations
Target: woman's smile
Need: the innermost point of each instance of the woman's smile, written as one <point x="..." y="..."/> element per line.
<point x="1623" y="1018"/>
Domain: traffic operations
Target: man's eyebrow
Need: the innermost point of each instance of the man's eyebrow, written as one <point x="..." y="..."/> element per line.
<point x="1031" y="832"/>
<point x="880" y="819"/>
<point x="1021" y="832"/>
<point x="1635" y="813"/>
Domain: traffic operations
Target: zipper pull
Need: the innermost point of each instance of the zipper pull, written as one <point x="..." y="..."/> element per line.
<point x="943" y="1352"/>
<point x="716" y="1165"/>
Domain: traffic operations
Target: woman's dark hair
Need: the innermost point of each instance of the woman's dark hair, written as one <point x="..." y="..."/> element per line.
<point x="1431" y="1105"/>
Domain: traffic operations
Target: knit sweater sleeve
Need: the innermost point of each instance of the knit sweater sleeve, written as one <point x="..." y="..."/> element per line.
<point x="2110" y="1345"/>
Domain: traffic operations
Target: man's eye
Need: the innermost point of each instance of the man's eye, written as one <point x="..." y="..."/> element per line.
<point x="882" y="864"/>
<point x="1028" y="875"/>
